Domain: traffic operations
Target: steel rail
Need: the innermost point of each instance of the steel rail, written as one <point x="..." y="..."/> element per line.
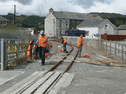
<point x="54" y="67"/>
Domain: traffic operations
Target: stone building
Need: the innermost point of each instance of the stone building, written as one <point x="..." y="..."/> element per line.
<point x="57" y="22"/>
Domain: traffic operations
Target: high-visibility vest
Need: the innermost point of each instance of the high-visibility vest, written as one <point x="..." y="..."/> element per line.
<point x="64" y="40"/>
<point x="80" y="41"/>
<point x="42" y="41"/>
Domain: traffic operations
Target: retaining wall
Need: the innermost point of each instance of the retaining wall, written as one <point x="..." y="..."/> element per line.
<point x="92" y="42"/>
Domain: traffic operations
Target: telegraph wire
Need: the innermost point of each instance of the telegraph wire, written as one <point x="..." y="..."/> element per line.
<point x="26" y="10"/>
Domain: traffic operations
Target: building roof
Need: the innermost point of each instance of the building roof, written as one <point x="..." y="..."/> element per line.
<point x="122" y="27"/>
<point x="91" y="23"/>
<point x="3" y="19"/>
<point x="76" y="16"/>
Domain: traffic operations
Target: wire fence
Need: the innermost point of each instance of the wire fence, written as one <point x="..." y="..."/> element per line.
<point x="23" y="35"/>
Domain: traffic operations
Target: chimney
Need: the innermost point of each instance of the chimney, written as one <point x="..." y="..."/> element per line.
<point x="51" y="10"/>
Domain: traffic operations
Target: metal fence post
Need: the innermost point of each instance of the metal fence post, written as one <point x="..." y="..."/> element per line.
<point x="3" y="55"/>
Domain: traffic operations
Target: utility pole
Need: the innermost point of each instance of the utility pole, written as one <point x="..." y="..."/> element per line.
<point x="14" y="14"/>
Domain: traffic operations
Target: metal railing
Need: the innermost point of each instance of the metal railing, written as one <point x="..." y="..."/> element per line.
<point x="13" y="51"/>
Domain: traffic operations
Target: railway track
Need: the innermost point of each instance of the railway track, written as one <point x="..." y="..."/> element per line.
<point x="48" y="82"/>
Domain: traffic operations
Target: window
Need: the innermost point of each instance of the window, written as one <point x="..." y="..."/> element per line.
<point x="66" y="25"/>
<point x="105" y="27"/>
<point x="60" y="24"/>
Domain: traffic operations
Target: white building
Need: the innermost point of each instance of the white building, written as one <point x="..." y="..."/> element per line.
<point x="98" y="27"/>
<point x="30" y="30"/>
<point x="58" y="22"/>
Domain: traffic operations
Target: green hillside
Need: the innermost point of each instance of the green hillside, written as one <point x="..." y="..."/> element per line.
<point x="108" y="15"/>
<point x="116" y="19"/>
<point x="38" y="22"/>
<point x="26" y="21"/>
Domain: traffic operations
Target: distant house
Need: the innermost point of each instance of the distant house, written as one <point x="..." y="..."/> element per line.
<point x="58" y="22"/>
<point x="122" y="30"/>
<point x="3" y="21"/>
<point x="98" y="27"/>
<point x="30" y="30"/>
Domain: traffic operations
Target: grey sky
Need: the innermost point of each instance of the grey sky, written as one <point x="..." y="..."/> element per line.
<point x="83" y="3"/>
<point x="86" y="3"/>
<point x="41" y="7"/>
<point x="20" y="1"/>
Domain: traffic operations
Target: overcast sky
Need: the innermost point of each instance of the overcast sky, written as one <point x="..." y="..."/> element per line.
<point x="41" y="7"/>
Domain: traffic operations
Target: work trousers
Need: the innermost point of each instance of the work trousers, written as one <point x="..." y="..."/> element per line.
<point x="42" y="54"/>
<point x="64" y="47"/>
<point x="80" y="49"/>
<point x="35" y="53"/>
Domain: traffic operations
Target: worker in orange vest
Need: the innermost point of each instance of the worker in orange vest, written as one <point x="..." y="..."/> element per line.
<point x="64" y="42"/>
<point x="80" y="44"/>
<point x="42" y="43"/>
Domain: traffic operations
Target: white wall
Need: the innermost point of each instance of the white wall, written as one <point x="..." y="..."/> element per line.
<point x="50" y="25"/>
<point x="92" y="30"/>
<point x="109" y="29"/>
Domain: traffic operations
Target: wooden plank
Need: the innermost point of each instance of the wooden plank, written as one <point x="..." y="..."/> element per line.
<point x="115" y="50"/>
<point x="27" y="84"/>
<point x="37" y="84"/>
<point x="122" y="52"/>
<point x="119" y="65"/>
<point x="103" y="57"/>
<point x="59" y="84"/>
<point x="47" y="84"/>
<point x="68" y="80"/>
<point x="99" y="58"/>
<point x="11" y="89"/>
<point x="110" y="47"/>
